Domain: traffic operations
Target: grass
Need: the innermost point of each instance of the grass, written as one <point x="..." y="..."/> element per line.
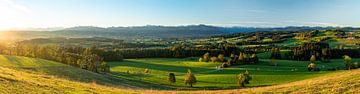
<point x="29" y="75"/>
<point x="19" y="82"/>
<point x="210" y="78"/>
<point x="341" y="82"/>
<point x="19" y="75"/>
<point x="62" y="71"/>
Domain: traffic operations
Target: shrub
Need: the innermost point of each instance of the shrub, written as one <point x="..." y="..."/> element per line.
<point x="201" y="59"/>
<point x="147" y="70"/>
<point x="311" y="67"/>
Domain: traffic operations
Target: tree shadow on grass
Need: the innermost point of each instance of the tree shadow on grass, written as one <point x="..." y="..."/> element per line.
<point x="180" y="69"/>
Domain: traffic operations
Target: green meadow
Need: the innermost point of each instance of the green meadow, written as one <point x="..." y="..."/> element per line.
<point x="208" y="77"/>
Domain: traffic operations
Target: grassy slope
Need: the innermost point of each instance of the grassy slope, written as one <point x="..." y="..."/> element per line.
<point x="39" y="67"/>
<point x="46" y="67"/>
<point x="22" y="74"/>
<point x="19" y="82"/>
<point x="27" y="75"/>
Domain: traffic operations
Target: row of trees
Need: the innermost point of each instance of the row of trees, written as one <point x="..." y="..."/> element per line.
<point x="119" y="54"/>
<point x="242" y="58"/>
<point x="190" y="79"/>
<point x="347" y="61"/>
<point x="84" y="58"/>
<point x="305" y="51"/>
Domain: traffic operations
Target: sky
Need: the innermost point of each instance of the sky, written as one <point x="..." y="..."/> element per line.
<point x="107" y="13"/>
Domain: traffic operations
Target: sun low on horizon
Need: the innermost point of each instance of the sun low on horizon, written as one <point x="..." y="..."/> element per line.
<point x="179" y="46"/>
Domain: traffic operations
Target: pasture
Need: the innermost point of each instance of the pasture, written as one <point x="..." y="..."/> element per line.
<point x="208" y="77"/>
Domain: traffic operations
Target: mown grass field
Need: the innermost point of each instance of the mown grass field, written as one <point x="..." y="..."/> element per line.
<point x="209" y="77"/>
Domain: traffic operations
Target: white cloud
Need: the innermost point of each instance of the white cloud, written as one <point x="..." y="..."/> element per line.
<point x="311" y="23"/>
<point x="12" y="4"/>
<point x="323" y="23"/>
<point x="253" y="24"/>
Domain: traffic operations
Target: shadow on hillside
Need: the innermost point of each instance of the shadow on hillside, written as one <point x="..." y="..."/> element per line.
<point x="139" y="83"/>
<point x="13" y="59"/>
<point x="181" y="69"/>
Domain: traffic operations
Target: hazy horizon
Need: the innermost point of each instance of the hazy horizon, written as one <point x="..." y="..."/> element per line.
<point x="19" y="14"/>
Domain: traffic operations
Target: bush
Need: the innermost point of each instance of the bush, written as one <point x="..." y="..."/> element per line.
<point x="172" y="78"/>
<point x="311" y="67"/>
<point x="146" y="70"/>
<point x="201" y="59"/>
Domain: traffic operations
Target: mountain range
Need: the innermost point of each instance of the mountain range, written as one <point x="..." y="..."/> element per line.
<point x="152" y="31"/>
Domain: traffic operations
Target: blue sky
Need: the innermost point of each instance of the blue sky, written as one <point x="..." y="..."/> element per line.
<point x="105" y="13"/>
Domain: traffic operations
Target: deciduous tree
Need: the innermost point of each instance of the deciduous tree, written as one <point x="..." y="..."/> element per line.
<point x="190" y="78"/>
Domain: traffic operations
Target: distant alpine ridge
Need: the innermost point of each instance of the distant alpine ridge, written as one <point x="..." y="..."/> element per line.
<point x="153" y="31"/>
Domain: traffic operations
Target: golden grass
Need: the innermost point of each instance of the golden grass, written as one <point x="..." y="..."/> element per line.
<point x="19" y="82"/>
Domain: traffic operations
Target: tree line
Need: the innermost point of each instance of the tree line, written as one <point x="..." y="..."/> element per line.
<point x="84" y="58"/>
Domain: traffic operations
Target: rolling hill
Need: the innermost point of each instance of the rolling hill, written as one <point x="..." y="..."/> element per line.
<point x="30" y="75"/>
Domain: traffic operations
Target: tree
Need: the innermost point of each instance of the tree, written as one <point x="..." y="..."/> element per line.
<point x="242" y="57"/>
<point x="347" y="62"/>
<point x="275" y="53"/>
<point x="312" y="59"/>
<point x="326" y="54"/>
<point x="172" y="78"/>
<point x="244" y="78"/>
<point x="254" y="58"/>
<point x="221" y="58"/>
<point x="206" y="57"/>
<point x="190" y="78"/>
<point x="214" y="59"/>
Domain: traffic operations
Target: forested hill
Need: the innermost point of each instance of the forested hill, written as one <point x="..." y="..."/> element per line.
<point x="144" y="31"/>
<point x="151" y="31"/>
<point x="137" y="32"/>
